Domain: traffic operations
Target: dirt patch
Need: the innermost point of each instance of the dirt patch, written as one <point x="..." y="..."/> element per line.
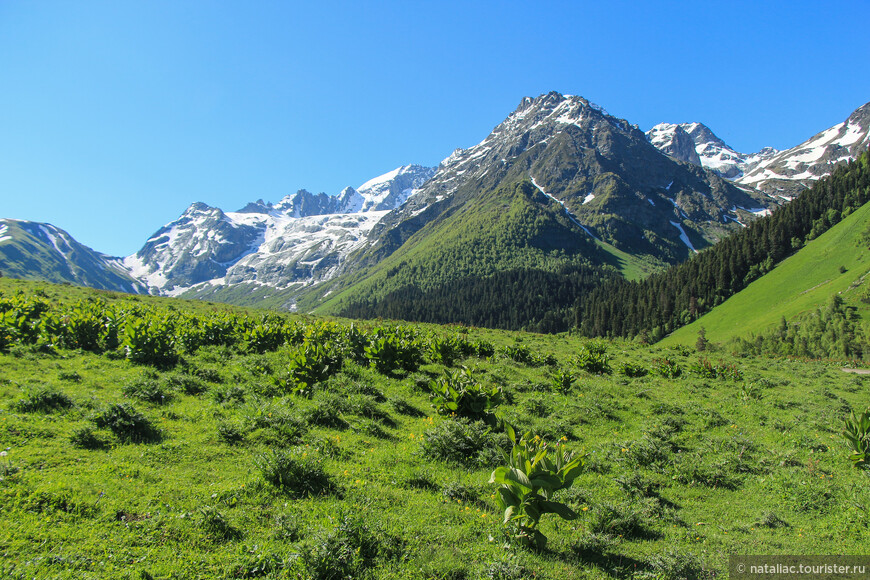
<point x="857" y="371"/>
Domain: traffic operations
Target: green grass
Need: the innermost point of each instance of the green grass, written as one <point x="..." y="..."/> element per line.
<point x="799" y="284"/>
<point x="679" y="473"/>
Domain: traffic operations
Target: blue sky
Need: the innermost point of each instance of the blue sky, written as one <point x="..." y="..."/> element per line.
<point x="115" y="116"/>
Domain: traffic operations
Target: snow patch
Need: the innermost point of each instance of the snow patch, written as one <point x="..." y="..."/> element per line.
<point x="684" y="237"/>
<point x="568" y="213"/>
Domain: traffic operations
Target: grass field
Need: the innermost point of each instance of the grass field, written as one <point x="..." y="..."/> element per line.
<point x="220" y="471"/>
<point x="834" y="263"/>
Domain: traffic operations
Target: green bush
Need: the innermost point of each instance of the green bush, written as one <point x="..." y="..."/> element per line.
<point x="458" y="393"/>
<point x="667" y="368"/>
<point x="350" y="549"/>
<point x="128" y="424"/>
<point x="297" y="472"/>
<point x="592" y="358"/>
<point x="147" y="389"/>
<point x="464" y="442"/>
<point x="216" y="526"/>
<point x="394" y="349"/>
<point x="85" y="438"/>
<point x="631" y="370"/>
<point x="150" y="340"/>
<point x="310" y="364"/>
<point x="43" y="400"/>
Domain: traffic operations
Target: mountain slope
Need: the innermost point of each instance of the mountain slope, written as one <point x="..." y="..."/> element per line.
<point x="38" y="251"/>
<point x="834" y="264"/>
<point x="559" y="183"/>
<point x="677" y="296"/>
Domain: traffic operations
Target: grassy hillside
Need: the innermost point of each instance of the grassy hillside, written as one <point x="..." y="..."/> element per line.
<point x="834" y="263"/>
<point x="226" y="461"/>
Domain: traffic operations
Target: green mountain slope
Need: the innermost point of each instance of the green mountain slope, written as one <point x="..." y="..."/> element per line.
<point x="38" y="251"/>
<point x="835" y="263"/>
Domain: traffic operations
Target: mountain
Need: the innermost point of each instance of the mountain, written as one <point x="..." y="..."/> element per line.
<point x="788" y="172"/>
<point x="38" y="251"/>
<point x="298" y="241"/>
<point x="559" y="182"/>
<point x="783" y="174"/>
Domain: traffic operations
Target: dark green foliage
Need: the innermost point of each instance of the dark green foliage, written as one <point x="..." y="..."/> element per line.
<point x="151" y="341"/>
<point x="523" y="355"/>
<point x="632" y="370"/>
<point x="230" y="434"/>
<point x="350" y="549"/>
<point x="216" y="526"/>
<point x="43" y="400"/>
<point x="85" y="438"/>
<point x="310" y="364"/>
<point x="459" y="393"/>
<point x="394" y="349"/>
<point x="128" y="424"/>
<point x="677" y="296"/>
<point x="147" y="389"/>
<point x="464" y="442"/>
<point x="296" y="472"/>
<point x="563" y="381"/>
<point x="832" y="331"/>
<point x="705" y="369"/>
<point x="667" y="368"/>
<point x="628" y="521"/>
<point x="593" y="358"/>
<point x="228" y="395"/>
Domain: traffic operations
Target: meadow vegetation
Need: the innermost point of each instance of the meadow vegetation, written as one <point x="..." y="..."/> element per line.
<point x="156" y="438"/>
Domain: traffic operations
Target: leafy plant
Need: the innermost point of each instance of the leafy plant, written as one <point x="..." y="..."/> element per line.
<point x="150" y="340"/>
<point x="667" y="368"/>
<point x="465" y="442"/>
<point x="857" y="435"/>
<point x="632" y="370"/>
<point x="563" y="381"/>
<point x="310" y="364"/>
<point x="393" y="349"/>
<point x="459" y="393"/>
<point x="529" y="481"/>
<point x="592" y="358"/>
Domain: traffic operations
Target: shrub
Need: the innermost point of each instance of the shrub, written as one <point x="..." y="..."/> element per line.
<point x="228" y="395"/>
<point x="593" y="358"/>
<point x="444" y="350"/>
<point x="43" y="400"/>
<point x="85" y="438"/>
<point x="184" y="383"/>
<point x="631" y="370"/>
<point x="393" y="349"/>
<point x="616" y="520"/>
<point x="230" y="434"/>
<point x="147" y="389"/>
<point x="296" y="472"/>
<point x="216" y="526"/>
<point x="350" y="549"/>
<point x="667" y="368"/>
<point x="128" y="424"/>
<point x="464" y="442"/>
<point x="150" y="341"/>
<point x="529" y="481"/>
<point x="310" y="364"/>
<point x="563" y="381"/>
<point x="459" y="393"/>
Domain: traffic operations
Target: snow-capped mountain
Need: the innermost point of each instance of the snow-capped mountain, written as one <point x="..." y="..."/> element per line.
<point x="787" y="172"/>
<point x="40" y="251"/>
<point x="779" y="173"/>
<point x="696" y="143"/>
<point x="600" y="168"/>
<point x="299" y="240"/>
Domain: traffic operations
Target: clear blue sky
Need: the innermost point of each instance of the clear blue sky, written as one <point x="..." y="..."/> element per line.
<point x="116" y="115"/>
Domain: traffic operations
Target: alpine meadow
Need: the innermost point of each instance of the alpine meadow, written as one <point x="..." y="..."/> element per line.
<point x="555" y="341"/>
